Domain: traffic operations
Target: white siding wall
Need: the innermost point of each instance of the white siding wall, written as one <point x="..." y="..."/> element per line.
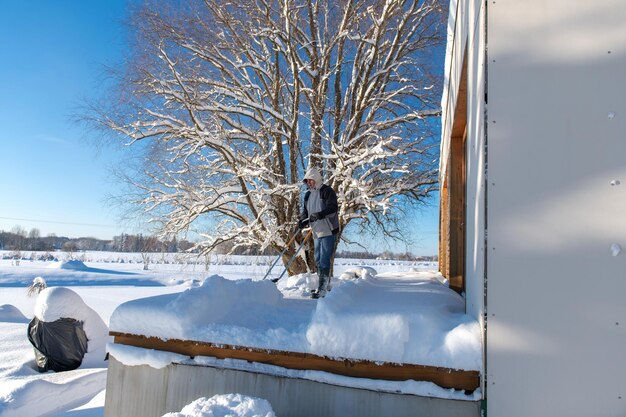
<point x="467" y="26"/>
<point x="475" y="153"/>
<point x="556" y="329"/>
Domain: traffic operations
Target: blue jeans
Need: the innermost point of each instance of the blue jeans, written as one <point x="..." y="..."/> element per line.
<point x="324" y="247"/>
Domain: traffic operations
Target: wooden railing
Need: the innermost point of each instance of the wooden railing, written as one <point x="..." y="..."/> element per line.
<point x="444" y="377"/>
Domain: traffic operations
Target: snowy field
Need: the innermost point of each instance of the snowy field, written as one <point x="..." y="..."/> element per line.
<point x="104" y="280"/>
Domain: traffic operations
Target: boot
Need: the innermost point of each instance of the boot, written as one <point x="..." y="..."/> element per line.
<point x="328" y="279"/>
<point x="322" y="273"/>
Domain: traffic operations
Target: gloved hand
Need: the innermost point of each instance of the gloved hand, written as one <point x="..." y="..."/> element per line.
<point x="303" y="223"/>
<point x="315" y="217"/>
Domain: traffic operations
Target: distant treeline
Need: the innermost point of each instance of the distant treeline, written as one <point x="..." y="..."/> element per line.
<point x="385" y="255"/>
<point x="19" y="239"/>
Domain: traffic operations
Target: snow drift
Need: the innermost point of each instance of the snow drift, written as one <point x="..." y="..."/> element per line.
<point x="11" y="314"/>
<point x="408" y="318"/>
<point x="73" y="265"/>
<point x="229" y="405"/>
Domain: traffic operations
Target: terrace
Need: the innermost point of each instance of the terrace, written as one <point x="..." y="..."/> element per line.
<point x="397" y="341"/>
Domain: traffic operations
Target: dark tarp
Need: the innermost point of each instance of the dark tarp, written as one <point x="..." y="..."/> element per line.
<point x="59" y="345"/>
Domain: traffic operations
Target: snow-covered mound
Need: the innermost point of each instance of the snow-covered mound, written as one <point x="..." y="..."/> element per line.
<point x="72" y="265"/>
<point x="11" y="314"/>
<point x="407" y="322"/>
<point x="59" y="302"/>
<point x="302" y="284"/>
<point x="298" y="285"/>
<point x="361" y="272"/>
<point x="401" y="318"/>
<point x="228" y="405"/>
<point x="244" y="312"/>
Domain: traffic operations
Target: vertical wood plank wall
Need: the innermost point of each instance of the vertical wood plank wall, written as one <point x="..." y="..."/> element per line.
<point x="457" y="214"/>
<point x="444" y="227"/>
<point x="452" y="197"/>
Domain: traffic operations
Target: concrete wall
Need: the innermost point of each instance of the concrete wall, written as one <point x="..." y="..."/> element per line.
<point x="142" y="391"/>
<point x="556" y="327"/>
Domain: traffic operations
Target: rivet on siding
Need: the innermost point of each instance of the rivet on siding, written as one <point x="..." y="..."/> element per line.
<point x="611" y="115"/>
<point x="493" y="121"/>
<point x="617" y="323"/>
<point x="615" y="182"/>
<point x="616" y="249"/>
<point x="609" y="52"/>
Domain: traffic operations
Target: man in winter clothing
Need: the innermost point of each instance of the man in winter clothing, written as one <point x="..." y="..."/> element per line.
<point x="320" y="212"/>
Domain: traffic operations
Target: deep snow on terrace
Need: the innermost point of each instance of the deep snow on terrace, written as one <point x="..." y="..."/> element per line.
<point x="410" y="317"/>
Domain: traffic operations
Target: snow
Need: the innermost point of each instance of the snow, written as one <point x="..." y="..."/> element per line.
<point x="244" y="312"/>
<point x="401" y="318"/>
<point x="388" y="299"/>
<point x="229" y="405"/>
<point x="71" y="264"/>
<point x="395" y="319"/>
<point x="10" y="314"/>
<point x="616" y="249"/>
<point x="133" y="356"/>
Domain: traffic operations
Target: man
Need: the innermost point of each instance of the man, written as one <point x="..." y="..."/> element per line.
<point x="320" y="212"/>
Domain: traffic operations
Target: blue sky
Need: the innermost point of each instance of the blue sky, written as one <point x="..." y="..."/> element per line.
<point x="52" y="176"/>
<point x="52" y="55"/>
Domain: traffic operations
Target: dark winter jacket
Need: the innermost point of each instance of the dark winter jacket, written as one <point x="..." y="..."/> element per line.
<point x="322" y="200"/>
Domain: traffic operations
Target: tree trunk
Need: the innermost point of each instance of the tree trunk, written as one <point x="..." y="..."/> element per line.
<point x="299" y="265"/>
<point x="305" y="261"/>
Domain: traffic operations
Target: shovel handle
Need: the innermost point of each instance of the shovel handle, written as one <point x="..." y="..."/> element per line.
<point x="295" y="230"/>
<point x="294" y="255"/>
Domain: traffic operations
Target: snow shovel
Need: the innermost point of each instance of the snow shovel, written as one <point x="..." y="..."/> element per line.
<point x="295" y="233"/>
<point x="294" y="256"/>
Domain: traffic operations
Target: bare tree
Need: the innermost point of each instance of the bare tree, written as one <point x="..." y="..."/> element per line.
<point x="237" y="98"/>
<point x="34" y="240"/>
<point x="70" y="248"/>
<point x="19" y="238"/>
<point x="149" y="246"/>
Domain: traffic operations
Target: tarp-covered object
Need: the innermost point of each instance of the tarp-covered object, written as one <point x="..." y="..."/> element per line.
<point x="59" y="345"/>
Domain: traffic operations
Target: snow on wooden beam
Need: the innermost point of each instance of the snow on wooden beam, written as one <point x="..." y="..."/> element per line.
<point x="444" y="377"/>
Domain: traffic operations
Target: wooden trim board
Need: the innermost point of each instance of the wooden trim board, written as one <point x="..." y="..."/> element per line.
<point x="444" y="377"/>
<point x="453" y="193"/>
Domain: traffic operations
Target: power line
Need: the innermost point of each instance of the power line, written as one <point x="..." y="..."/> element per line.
<point x="58" y="222"/>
